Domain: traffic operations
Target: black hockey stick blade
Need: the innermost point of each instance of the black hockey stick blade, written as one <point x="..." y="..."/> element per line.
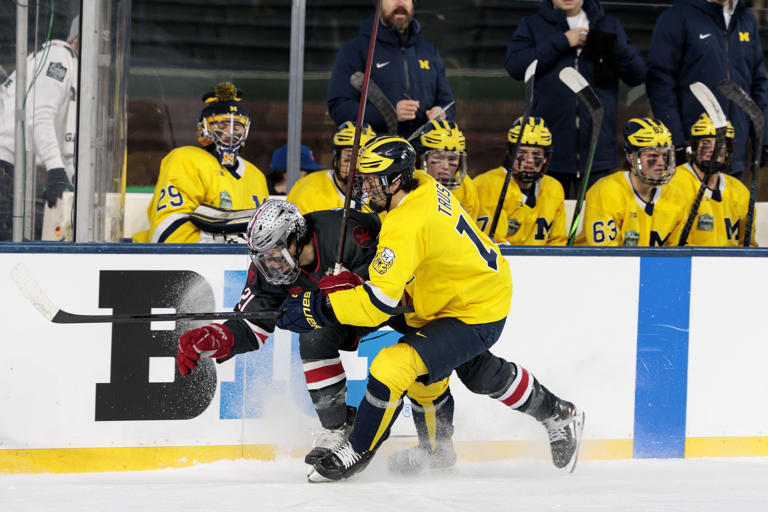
<point x="421" y="128"/>
<point x="742" y="100"/>
<point x="712" y="107"/>
<point x="378" y="99"/>
<point x="27" y="285"/>
<point x="530" y="73"/>
<point x="579" y="85"/>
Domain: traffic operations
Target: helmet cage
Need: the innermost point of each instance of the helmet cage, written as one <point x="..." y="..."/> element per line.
<point x="210" y="129"/>
<point x="270" y="232"/>
<point x="529" y="176"/>
<point x="638" y="169"/>
<point x="437" y="158"/>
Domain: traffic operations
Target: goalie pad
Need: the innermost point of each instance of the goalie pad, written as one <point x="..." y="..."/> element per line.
<point x="221" y="221"/>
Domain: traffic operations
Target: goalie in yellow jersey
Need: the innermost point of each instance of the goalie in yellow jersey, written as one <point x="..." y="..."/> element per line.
<point x="431" y="254"/>
<point x="638" y="207"/>
<point x="208" y="193"/>
<point x="442" y="153"/>
<point x="533" y="212"/>
<point x="326" y="190"/>
<point x="721" y="218"/>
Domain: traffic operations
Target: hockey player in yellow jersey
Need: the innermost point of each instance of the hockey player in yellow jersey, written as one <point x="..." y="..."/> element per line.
<point x="721" y="218"/>
<point x="533" y="212"/>
<point x="204" y="194"/>
<point x="442" y="153"/>
<point x="638" y="207"/>
<point x="433" y="256"/>
<point x="324" y="190"/>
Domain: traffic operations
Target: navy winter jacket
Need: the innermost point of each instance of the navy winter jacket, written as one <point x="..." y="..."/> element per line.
<point x="542" y="37"/>
<point x="691" y="44"/>
<point x="413" y="68"/>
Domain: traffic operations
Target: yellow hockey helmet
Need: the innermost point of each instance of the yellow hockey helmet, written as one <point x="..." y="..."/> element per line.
<point x="388" y="158"/>
<point x="647" y="133"/>
<point x="442" y="153"/>
<point x="345" y="136"/>
<point x="704" y="127"/>
<point x="535" y="133"/>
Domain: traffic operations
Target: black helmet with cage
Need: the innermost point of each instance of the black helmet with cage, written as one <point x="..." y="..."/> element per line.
<point x="276" y="233"/>
<point x="384" y="161"/>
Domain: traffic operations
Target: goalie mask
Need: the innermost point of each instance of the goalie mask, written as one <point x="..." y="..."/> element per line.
<point x="224" y="122"/>
<point x="649" y="150"/>
<point x="703" y="135"/>
<point x="385" y="160"/>
<point x="442" y="153"/>
<point x="343" y="139"/>
<point x="276" y="234"/>
<point x="532" y="160"/>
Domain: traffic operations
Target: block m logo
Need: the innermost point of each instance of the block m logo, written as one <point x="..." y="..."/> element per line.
<point x="744" y="37"/>
<point x="424" y="64"/>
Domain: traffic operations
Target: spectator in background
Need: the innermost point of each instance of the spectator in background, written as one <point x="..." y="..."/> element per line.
<point x="705" y="41"/>
<point x="51" y="115"/>
<point x="637" y="207"/>
<point x="277" y="179"/>
<point x="327" y="190"/>
<point x="208" y="193"/>
<point x="722" y="214"/>
<point x="407" y="69"/>
<point x="575" y="33"/>
<point x="533" y="212"/>
<point x="441" y="152"/>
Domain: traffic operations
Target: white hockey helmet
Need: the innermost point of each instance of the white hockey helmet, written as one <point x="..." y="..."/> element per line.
<point x="273" y="227"/>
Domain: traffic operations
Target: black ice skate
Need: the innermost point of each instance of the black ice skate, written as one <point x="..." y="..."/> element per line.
<point x="330" y="438"/>
<point x="341" y="464"/>
<point x="564" y="428"/>
<point x="413" y="460"/>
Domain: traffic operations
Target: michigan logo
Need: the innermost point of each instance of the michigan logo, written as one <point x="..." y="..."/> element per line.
<point x="383" y="260"/>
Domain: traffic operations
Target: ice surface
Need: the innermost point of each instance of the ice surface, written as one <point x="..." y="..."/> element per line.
<point x="700" y="485"/>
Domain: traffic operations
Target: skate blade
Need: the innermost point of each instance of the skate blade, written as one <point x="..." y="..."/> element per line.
<point x="579" y="429"/>
<point x="314" y="477"/>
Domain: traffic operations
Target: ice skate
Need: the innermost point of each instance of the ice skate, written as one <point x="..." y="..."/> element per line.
<point x="415" y="459"/>
<point x="342" y="463"/>
<point x="329" y="439"/>
<point x="564" y="428"/>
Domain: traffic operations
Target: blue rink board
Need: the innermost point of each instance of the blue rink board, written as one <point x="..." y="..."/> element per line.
<point x="662" y="334"/>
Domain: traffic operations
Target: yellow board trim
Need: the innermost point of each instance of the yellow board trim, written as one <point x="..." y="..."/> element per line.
<point x="88" y="460"/>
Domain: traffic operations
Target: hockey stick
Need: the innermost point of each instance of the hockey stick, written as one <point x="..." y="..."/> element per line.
<point x="715" y="113"/>
<point x="25" y="282"/>
<point x="356" y="143"/>
<point x="27" y="285"/>
<point x="433" y="116"/>
<point x="578" y="84"/>
<point x="742" y="100"/>
<point x="378" y="99"/>
<point x="530" y="72"/>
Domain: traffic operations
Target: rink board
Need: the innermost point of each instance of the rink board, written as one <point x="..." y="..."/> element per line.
<point x="663" y="350"/>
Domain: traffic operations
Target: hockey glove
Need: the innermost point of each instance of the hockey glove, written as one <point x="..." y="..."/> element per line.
<point x="213" y="340"/>
<point x="56" y="185"/>
<point x="343" y="281"/>
<point x="305" y="312"/>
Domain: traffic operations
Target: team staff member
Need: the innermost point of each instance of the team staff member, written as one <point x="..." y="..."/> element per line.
<point x="291" y="253"/>
<point x="51" y="114"/>
<point x="209" y="176"/>
<point x="721" y="218"/>
<point x="327" y="189"/>
<point x="461" y="298"/>
<point x="637" y="207"/>
<point x="442" y="154"/>
<point x="533" y="212"/>
<point x="706" y="41"/>
<point x="407" y="69"/>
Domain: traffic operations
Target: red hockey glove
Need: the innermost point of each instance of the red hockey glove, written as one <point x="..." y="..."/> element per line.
<point x="344" y="280"/>
<point x="213" y="340"/>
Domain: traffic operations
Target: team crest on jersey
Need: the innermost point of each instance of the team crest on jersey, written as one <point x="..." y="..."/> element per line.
<point x="513" y="225"/>
<point x="383" y="260"/>
<point x="225" y="201"/>
<point x="57" y="71"/>
<point x="631" y="238"/>
<point x="706" y="222"/>
<point x="362" y="237"/>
